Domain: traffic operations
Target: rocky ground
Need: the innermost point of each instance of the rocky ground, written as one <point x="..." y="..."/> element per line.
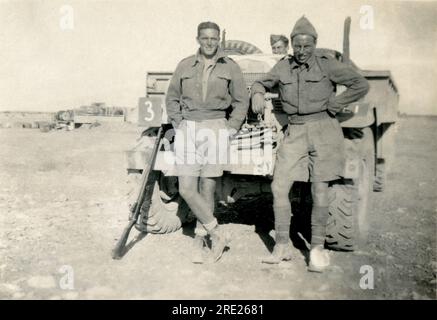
<point x="62" y="209"/>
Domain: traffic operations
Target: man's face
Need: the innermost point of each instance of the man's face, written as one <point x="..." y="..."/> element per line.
<point x="303" y="47"/>
<point x="208" y="40"/>
<point x="279" y="47"/>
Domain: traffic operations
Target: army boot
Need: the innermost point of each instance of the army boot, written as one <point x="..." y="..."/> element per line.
<point x="319" y="259"/>
<point x="283" y="249"/>
<point x="219" y="241"/>
<point x="281" y="252"/>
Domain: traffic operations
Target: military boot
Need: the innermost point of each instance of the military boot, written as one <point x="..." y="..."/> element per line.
<point x="281" y="252"/>
<point x="219" y="241"/>
<point x="319" y="259"/>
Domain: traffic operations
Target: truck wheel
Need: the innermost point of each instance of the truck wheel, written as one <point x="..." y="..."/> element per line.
<point x="379" y="182"/>
<point x="167" y="210"/>
<point x="341" y="226"/>
<point x="238" y="47"/>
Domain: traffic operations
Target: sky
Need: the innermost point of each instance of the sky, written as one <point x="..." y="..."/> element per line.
<point x="63" y="54"/>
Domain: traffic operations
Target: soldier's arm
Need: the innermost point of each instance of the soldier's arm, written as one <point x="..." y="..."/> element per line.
<point x="357" y="86"/>
<point x="268" y="81"/>
<point x="240" y="98"/>
<point x="259" y="87"/>
<point x="173" y="97"/>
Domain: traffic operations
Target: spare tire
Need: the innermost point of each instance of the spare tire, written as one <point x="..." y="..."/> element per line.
<point x="238" y="47"/>
<point x="167" y="211"/>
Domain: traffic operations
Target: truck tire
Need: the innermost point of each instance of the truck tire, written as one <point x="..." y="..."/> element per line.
<point x="238" y="47"/>
<point x="342" y="223"/>
<point x="166" y="211"/>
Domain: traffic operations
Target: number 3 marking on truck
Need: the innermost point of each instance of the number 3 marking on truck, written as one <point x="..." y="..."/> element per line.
<point x="149" y="110"/>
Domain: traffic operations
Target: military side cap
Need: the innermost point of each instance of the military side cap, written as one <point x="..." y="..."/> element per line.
<point x="278" y="37"/>
<point x="303" y="26"/>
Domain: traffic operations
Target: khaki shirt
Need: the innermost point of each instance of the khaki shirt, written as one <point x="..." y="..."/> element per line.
<point x="310" y="87"/>
<point x="199" y="93"/>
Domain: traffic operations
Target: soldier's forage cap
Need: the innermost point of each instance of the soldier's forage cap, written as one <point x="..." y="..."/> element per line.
<point x="208" y="25"/>
<point x="303" y="26"/>
<point x="278" y="37"/>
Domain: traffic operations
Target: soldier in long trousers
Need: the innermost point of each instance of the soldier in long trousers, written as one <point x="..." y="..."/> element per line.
<point x="312" y="149"/>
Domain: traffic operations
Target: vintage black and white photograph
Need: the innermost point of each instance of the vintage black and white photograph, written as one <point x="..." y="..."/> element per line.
<point x="218" y="150"/>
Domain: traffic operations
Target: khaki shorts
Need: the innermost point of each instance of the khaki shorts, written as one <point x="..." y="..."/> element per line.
<point x="200" y="147"/>
<point x="311" y="151"/>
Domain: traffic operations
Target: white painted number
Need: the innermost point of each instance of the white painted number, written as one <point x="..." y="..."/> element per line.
<point x="67" y="281"/>
<point x="150" y="111"/>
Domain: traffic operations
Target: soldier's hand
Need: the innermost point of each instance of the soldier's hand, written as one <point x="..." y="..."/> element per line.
<point x="258" y="103"/>
<point x="232" y="132"/>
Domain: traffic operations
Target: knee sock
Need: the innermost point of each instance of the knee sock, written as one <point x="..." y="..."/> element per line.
<point x="319" y="217"/>
<point x="282" y="223"/>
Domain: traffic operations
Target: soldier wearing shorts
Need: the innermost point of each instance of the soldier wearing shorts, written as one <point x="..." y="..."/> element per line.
<point x="312" y="149"/>
<point x="202" y="88"/>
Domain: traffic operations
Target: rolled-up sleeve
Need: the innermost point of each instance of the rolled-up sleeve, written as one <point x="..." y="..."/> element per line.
<point x="357" y="86"/>
<point x="240" y="98"/>
<point x="173" y="97"/>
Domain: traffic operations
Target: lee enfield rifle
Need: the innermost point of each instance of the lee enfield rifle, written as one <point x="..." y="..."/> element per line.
<point x="148" y="179"/>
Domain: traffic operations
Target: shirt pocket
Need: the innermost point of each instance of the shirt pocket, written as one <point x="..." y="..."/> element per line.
<point x="318" y="87"/>
<point x="218" y="85"/>
<point x="190" y="85"/>
<point x="288" y="88"/>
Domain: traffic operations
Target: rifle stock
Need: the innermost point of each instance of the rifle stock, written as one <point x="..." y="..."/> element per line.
<point x="145" y="194"/>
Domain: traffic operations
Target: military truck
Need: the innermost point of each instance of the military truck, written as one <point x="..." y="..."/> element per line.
<point x="367" y="125"/>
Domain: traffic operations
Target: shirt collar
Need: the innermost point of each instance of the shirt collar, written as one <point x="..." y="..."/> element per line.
<point x="219" y="55"/>
<point x="307" y="65"/>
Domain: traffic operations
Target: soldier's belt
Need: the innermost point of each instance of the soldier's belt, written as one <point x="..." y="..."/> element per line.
<point x="303" y="118"/>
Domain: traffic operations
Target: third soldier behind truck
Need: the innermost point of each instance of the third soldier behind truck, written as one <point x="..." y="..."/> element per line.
<point x="279" y="44"/>
<point x="312" y="149"/>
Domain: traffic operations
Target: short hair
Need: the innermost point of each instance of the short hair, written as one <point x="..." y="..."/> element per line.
<point x="207" y="25"/>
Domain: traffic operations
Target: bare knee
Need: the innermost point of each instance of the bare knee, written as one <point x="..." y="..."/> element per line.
<point x="187" y="193"/>
<point x="187" y="187"/>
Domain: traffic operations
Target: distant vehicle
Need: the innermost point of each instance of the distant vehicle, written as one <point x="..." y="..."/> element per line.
<point x="96" y="112"/>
